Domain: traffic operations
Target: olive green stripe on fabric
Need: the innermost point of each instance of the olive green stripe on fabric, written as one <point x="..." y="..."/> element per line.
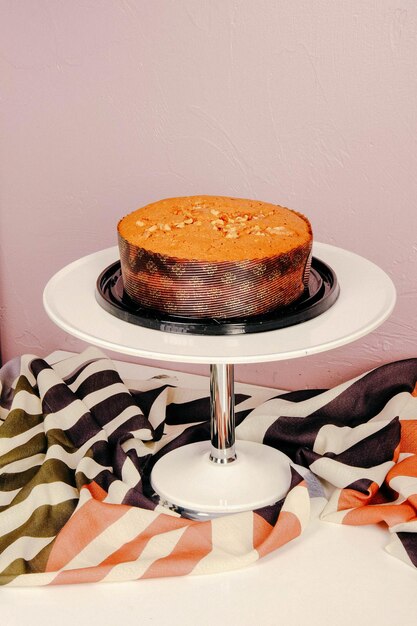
<point x="18" y="421"/>
<point x="36" y="445"/>
<point x="47" y="521"/>
<point x="51" y="471"/>
<point x="58" y="437"/>
<point x="16" y="480"/>
<point x="23" y="384"/>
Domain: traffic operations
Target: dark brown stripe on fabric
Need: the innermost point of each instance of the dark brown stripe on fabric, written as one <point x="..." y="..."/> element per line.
<point x="409" y="541"/>
<point x="300" y="396"/>
<point x="366" y="397"/>
<point x="107" y="410"/>
<point x="196" y="410"/>
<point x="270" y="513"/>
<point x="97" y="381"/>
<point x="37" y="366"/>
<point x="83" y="430"/>
<point x="58" y="397"/>
<point x="378" y="448"/>
<point x="145" y="399"/>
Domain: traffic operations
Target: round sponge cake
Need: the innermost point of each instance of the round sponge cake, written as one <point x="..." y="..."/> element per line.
<point x="213" y="256"/>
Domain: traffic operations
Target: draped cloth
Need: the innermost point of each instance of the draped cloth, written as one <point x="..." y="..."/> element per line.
<point x="77" y="445"/>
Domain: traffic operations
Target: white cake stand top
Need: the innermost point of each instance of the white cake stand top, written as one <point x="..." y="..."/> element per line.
<point x="367" y="298"/>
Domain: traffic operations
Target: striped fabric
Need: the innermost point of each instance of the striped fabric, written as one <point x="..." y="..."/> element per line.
<point x="77" y="445"/>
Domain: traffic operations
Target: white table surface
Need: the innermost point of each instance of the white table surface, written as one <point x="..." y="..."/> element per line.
<point x="330" y="575"/>
<point x="366" y="299"/>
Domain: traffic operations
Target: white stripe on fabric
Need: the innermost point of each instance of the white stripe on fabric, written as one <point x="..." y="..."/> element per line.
<point x="96" y="367"/>
<point x="405" y="485"/>
<point x="69" y="365"/>
<point x="342" y="475"/>
<point x="28" y="402"/>
<point x="117" y="492"/>
<point x="337" y="439"/>
<point x="232" y="544"/>
<point x="141" y="449"/>
<point x="6" y="497"/>
<point x="122" y="418"/>
<point x="157" y="412"/>
<point x="47" y="378"/>
<point x="91" y="468"/>
<point x="72" y="459"/>
<point x="32" y="580"/>
<point x="130" y="474"/>
<point x="409" y="410"/>
<point x="67" y="417"/>
<point x="396" y="548"/>
<point x="298" y="503"/>
<point x="404" y="527"/>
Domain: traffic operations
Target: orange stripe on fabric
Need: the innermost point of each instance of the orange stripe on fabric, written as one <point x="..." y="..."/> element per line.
<point x="406" y="467"/>
<point x="391" y="514"/>
<point x="350" y="498"/>
<point x="84" y="526"/>
<point x="97" y="492"/>
<point x="409" y="436"/>
<point x="267" y="538"/>
<point x="132" y="550"/>
<point x="414" y="392"/>
<point x="194" y="545"/>
<point x="80" y="575"/>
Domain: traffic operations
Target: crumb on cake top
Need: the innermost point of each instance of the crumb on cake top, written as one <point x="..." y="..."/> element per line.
<point x="215" y="228"/>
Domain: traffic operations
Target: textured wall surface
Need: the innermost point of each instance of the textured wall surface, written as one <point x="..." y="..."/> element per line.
<point x="108" y="105"/>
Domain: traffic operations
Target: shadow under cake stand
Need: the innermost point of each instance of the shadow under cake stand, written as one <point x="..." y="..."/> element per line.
<point x="203" y="480"/>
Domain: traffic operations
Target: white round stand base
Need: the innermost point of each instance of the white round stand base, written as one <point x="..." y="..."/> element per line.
<point x="189" y="482"/>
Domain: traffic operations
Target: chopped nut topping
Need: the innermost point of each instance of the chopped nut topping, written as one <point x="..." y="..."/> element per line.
<point x="189" y="220"/>
<point x="140" y="223"/>
<point x="152" y="229"/>
<point x="214" y="212"/>
<point x="180" y="225"/>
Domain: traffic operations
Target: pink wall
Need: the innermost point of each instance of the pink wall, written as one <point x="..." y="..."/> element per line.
<point x="109" y="105"/>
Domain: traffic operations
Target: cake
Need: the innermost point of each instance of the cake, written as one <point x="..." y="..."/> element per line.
<point x="214" y="257"/>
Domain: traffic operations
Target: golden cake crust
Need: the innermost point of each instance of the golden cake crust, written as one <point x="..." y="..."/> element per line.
<point x="214" y="257"/>
<point x="214" y="228"/>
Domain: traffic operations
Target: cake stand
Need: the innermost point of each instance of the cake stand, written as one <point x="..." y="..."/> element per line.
<point x="204" y="480"/>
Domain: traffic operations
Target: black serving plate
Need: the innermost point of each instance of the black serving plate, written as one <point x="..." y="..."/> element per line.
<point x="321" y="293"/>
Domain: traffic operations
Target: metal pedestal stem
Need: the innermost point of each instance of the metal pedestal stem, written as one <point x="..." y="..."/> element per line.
<point x="222" y="414"/>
